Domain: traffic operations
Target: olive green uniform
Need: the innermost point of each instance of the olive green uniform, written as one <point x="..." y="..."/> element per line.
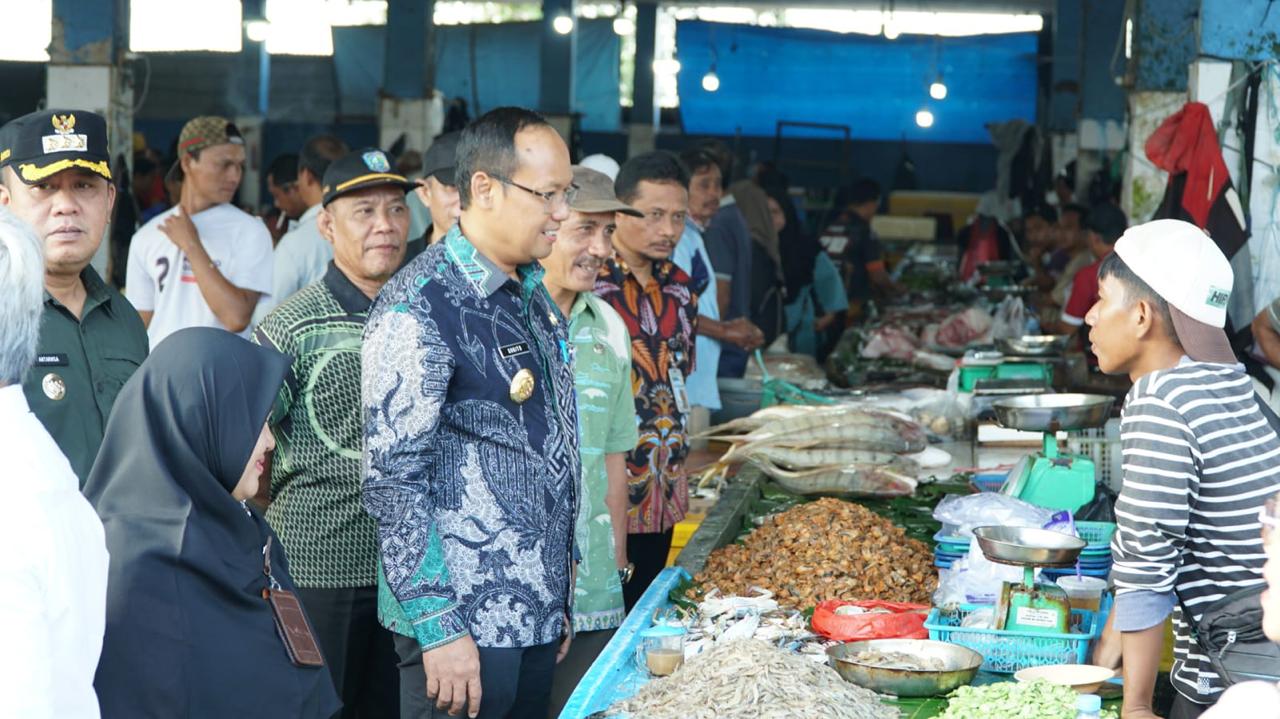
<point x="81" y="366"/>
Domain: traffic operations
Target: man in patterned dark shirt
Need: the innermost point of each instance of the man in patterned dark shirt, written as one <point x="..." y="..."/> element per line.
<point x="471" y="437"/>
<point x="660" y="310"/>
<point x="316" y="473"/>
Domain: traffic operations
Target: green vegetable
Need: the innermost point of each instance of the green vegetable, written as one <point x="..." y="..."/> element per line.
<point x="1037" y="699"/>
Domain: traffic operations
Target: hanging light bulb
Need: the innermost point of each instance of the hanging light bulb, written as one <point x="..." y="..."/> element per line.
<point x="924" y="118"/>
<point x="563" y="24"/>
<point x="938" y="90"/>
<point x="256" y="30"/>
<point x="891" y="31"/>
<point x="711" y="81"/>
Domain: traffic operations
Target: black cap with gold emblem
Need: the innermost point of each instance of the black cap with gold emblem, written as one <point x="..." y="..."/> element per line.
<point x="42" y="144"/>
<point x="360" y="170"/>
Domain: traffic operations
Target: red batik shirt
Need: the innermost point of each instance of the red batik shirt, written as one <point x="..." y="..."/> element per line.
<point x="661" y="318"/>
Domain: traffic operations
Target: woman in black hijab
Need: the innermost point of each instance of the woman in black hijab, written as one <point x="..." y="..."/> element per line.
<point x="189" y="632"/>
<point x="816" y="300"/>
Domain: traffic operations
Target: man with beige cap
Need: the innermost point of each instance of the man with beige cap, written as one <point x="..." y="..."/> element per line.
<point x="606" y="416"/>
<point x="204" y="263"/>
<point x="1200" y="456"/>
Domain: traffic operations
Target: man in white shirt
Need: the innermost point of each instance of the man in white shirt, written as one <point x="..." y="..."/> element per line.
<point x="53" y="555"/>
<point x="204" y="263"/>
<point x="303" y="255"/>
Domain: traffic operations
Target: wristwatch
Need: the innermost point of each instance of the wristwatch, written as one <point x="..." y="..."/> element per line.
<point x="624" y="575"/>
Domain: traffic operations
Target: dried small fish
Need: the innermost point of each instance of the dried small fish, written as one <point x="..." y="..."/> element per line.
<point x="748" y="679"/>
<point x="826" y="549"/>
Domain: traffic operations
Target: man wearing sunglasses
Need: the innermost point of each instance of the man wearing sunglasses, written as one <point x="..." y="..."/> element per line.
<point x="471" y="437"/>
<point x="1200" y="457"/>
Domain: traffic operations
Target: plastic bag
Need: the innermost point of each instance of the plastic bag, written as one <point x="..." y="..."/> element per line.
<point x="974" y="579"/>
<point x="989" y="508"/>
<point x="1010" y="319"/>
<point x="881" y="620"/>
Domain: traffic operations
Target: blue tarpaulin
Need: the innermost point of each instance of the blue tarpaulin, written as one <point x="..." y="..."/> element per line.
<point x="874" y="85"/>
<point x="488" y="66"/>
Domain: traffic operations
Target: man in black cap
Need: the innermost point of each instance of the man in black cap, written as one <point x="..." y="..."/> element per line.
<point x="438" y="188"/>
<point x="57" y="178"/>
<point x="316" y="474"/>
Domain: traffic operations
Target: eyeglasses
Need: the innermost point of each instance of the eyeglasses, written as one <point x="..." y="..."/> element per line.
<point x="552" y="200"/>
<point x="1269" y="517"/>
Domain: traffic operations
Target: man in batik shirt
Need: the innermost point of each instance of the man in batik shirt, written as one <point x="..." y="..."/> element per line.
<point x="471" y="437"/>
<point x="653" y="297"/>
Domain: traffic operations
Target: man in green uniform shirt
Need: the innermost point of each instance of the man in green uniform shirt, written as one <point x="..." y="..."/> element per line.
<point x="57" y="178"/>
<point x="315" y="476"/>
<point x="607" y="418"/>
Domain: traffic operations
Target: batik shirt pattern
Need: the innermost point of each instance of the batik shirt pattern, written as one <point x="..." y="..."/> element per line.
<point x="475" y="494"/>
<point x="661" y="318"/>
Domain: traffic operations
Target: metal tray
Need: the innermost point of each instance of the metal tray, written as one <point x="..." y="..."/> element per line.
<point x="1033" y="345"/>
<point x="961" y="664"/>
<point x="1029" y="547"/>
<point x="1054" y="412"/>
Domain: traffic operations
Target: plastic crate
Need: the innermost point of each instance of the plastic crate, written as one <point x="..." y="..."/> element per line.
<point x="1102" y="445"/>
<point x="1006" y="652"/>
<point x="1097" y="534"/>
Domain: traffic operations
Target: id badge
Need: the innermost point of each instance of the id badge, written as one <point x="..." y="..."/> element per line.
<point x="293" y="628"/>
<point x="678" y="390"/>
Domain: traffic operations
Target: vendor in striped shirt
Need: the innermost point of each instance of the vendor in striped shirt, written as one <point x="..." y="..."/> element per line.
<point x="1200" y="457"/>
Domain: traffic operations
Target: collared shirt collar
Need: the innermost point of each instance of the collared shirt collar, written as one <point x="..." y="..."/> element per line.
<point x="484" y="275"/>
<point x="311" y="214"/>
<point x="349" y="297"/>
<point x="693" y="224"/>
<point x="581" y="304"/>
<point x="661" y="269"/>
<point x="95" y="292"/>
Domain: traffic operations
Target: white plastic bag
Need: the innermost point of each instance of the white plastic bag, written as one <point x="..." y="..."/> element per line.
<point x="989" y="508"/>
<point x="1010" y="319"/>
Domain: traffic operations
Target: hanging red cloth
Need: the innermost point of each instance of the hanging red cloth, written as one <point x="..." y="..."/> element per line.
<point x="1187" y="142"/>
<point x="984" y="246"/>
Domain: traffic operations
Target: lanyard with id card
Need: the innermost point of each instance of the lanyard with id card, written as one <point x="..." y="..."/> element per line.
<point x="291" y="621"/>
<point x="676" y="377"/>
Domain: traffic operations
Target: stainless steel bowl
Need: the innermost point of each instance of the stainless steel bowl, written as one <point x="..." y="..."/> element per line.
<point x="1024" y="546"/>
<point x="960" y="665"/>
<point x="1053" y="412"/>
<point x="1033" y="345"/>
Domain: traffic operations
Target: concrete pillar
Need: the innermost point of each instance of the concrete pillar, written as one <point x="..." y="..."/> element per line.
<point x="644" y="109"/>
<point x="556" y="81"/>
<point x="90" y="38"/>
<point x="409" y="103"/>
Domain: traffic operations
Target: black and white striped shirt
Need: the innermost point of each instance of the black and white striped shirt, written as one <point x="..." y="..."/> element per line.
<point x="1199" y="460"/>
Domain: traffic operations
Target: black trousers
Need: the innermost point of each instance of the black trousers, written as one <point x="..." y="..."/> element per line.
<point x="649" y="553"/>
<point x="582" y="654"/>
<point x="1184" y="708"/>
<point x="514" y="683"/>
<point x="359" y="651"/>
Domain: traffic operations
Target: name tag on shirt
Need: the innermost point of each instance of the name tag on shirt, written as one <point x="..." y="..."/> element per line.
<point x="678" y="390"/>
<point x="51" y="360"/>
<point x="511" y="350"/>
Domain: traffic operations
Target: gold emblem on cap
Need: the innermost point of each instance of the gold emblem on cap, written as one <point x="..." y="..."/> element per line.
<point x="53" y="386"/>
<point x="522" y="386"/>
<point x="64" y="124"/>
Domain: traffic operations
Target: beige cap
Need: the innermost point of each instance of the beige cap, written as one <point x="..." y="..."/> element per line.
<point x="595" y="194"/>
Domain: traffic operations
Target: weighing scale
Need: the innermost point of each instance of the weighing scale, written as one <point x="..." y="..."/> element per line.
<point x="984" y="365"/>
<point x="1049" y="478"/>
<point x="1030" y="606"/>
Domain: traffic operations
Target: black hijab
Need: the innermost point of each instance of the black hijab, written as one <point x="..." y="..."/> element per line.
<point x="799" y="250"/>
<point x="188" y="632"/>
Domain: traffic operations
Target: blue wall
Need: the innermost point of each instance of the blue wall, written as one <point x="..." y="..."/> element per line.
<point x="487" y="65"/>
<point x="872" y="84"/>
